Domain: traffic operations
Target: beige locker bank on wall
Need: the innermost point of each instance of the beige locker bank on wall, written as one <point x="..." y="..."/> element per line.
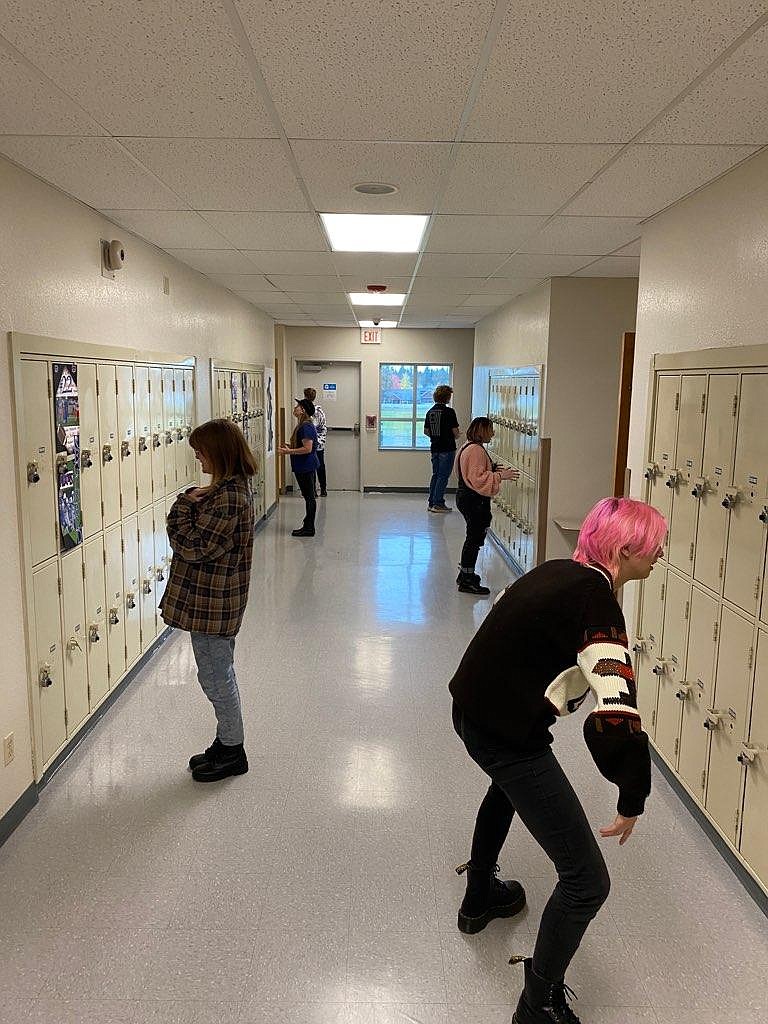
<point x="101" y="451"/>
<point x="701" y="637"/>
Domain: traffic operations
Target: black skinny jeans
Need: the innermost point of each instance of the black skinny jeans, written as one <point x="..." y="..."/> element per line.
<point x="476" y="509"/>
<point x="535" y="786"/>
<point x="307" y="488"/>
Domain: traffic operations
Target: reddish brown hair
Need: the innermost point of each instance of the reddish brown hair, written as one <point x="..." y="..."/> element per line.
<point x="223" y="443"/>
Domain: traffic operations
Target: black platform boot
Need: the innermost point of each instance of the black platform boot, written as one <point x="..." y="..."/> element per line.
<point x="469" y="583"/>
<point x="486" y="898"/>
<point x="542" y="1001"/>
<point x="225" y="761"/>
<point x="197" y="759"/>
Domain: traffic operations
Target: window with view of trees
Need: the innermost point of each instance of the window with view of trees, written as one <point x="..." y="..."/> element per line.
<point x="405" y="396"/>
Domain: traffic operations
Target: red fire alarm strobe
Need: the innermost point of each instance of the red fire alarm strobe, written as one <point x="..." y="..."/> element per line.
<point x="376" y="288"/>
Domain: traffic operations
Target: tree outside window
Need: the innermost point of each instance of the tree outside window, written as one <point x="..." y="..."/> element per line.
<point x="405" y="396"/>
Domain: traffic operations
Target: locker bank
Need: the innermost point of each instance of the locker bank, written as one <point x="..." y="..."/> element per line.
<point x="561" y="213"/>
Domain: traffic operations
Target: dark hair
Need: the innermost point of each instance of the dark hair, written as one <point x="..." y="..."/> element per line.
<point x="480" y="430"/>
<point x="442" y="393"/>
<point x="310" y="393"/>
<point x="223" y="443"/>
<point x="305" y="417"/>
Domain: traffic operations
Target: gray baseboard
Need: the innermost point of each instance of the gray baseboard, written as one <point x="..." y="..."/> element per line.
<point x="18" y="812"/>
<point x="265" y="518"/>
<point x="403" y="490"/>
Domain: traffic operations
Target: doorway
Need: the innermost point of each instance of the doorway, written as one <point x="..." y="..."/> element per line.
<point x="338" y="394"/>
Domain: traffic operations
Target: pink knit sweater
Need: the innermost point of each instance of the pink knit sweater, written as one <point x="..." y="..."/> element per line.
<point x="476" y="468"/>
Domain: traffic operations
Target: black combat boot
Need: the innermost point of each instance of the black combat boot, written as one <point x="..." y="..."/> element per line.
<point x="197" y="759"/>
<point x="225" y="761"/>
<point x="469" y="583"/>
<point x="542" y="1001"/>
<point x="486" y="898"/>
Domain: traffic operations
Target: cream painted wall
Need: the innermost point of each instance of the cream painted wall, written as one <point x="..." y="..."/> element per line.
<point x="389" y="469"/>
<point x="50" y="284"/>
<point x="703" y="284"/>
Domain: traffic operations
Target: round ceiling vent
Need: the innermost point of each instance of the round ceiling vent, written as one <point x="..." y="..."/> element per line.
<point x="374" y="188"/>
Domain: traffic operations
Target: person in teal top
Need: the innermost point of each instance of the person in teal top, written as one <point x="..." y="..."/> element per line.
<point x="304" y="462"/>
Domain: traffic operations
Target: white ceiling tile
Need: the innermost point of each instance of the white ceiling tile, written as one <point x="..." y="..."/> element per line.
<point x="729" y="106"/>
<point x="242" y="282"/>
<point x="469" y="234"/>
<point x="215" y="261"/>
<point x="487" y="301"/>
<point x="169" y="229"/>
<point x="381" y="71"/>
<point x="506" y="179"/>
<point x="223" y="174"/>
<point x="377" y="312"/>
<point x="527" y="265"/>
<point x="508" y="285"/>
<point x="646" y="179"/>
<point x="291" y="262"/>
<point x="143" y="68"/>
<point x="633" y="249"/>
<point x="306" y="283"/>
<point x="595" y="71"/>
<point x="425" y="286"/>
<point x="375" y="266"/>
<point x="94" y="170"/>
<point x="330" y="169"/>
<point x="591" y="236"/>
<point x="319" y="298"/>
<point x="359" y="283"/>
<point x="460" y="264"/>
<point x="269" y="298"/>
<point x="30" y="105"/>
<point x="612" y="266"/>
<point x="326" y="312"/>
<point x="270" y="231"/>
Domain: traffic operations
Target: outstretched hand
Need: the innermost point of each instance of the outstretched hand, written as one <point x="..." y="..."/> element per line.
<point x="621" y="827"/>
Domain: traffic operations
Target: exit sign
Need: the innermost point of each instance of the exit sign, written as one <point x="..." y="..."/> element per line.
<point x="370" y="335"/>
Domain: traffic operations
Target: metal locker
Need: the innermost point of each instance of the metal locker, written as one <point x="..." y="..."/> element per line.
<point x="158" y="431"/>
<point x="764" y="601"/>
<point x="147" y="577"/>
<point x="90" y="476"/>
<point x="132" y="588"/>
<point x="96" y="621"/>
<point x="115" y="590"/>
<point x="746" y="499"/>
<point x="126" y="425"/>
<point x="162" y="559"/>
<point x="647" y="645"/>
<point x="696" y="692"/>
<point x="37" y="459"/>
<point x="670" y="666"/>
<point x="754" y="756"/>
<point x="169" y="428"/>
<point x="182" y="464"/>
<point x="688" y="459"/>
<point x="719" y="438"/>
<point x="48" y="667"/>
<point x="189" y="422"/>
<point x="662" y="461"/>
<point x="109" y="455"/>
<point x="143" y="436"/>
<point x="75" y="640"/>
<point x="727" y="721"/>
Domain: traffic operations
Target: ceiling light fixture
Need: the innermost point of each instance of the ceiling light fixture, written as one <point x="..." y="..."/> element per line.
<point x="374" y="299"/>
<point x="378" y="323"/>
<point x="374" y="188"/>
<point x="374" y="232"/>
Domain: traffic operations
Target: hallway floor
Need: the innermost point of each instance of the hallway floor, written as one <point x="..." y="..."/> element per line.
<point x="320" y="888"/>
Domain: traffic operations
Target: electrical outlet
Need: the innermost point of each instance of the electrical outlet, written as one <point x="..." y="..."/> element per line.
<point x="9" y="751"/>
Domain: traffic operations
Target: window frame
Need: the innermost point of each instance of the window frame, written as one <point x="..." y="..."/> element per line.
<point x="416" y="422"/>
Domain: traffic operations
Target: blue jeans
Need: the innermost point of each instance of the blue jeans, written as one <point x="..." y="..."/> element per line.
<point x="442" y="464"/>
<point x="216" y="674"/>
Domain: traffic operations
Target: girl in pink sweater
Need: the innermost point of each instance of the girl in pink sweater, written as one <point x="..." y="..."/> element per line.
<point x="479" y="481"/>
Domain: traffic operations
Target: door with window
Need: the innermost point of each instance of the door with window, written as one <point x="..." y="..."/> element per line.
<point x="338" y="393"/>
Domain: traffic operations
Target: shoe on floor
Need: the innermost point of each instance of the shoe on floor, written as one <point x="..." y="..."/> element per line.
<point x="323" y="494"/>
<point x="226" y="761"/>
<point x="197" y="759"/>
<point x="302" y="532"/>
<point x="469" y="583"/>
<point x="487" y="898"/>
<point x="439" y="508"/>
<point x="542" y="1001"/>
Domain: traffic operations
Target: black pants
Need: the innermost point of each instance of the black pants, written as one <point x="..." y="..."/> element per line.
<point x="307" y="488"/>
<point x="476" y="509"/>
<point x="535" y="786"/>
<point x="321" y="469"/>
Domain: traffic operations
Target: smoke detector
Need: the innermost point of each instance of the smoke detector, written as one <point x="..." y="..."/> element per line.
<point x="374" y="188"/>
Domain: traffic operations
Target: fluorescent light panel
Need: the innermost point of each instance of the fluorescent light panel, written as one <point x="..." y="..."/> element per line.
<point x="381" y="323"/>
<point x="374" y="232"/>
<point x="376" y="298"/>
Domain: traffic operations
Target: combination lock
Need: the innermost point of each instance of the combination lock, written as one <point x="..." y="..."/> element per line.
<point x="86" y="461"/>
<point x="44" y="676"/>
<point x="106" y="454"/>
<point x="33" y="473"/>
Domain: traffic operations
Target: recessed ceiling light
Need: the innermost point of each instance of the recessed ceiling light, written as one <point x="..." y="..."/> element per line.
<point x="378" y="323"/>
<point x="376" y="299"/>
<point x="374" y="232"/>
<point x="374" y="188"/>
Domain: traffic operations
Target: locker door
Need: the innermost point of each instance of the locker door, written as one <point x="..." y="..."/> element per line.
<point x="719" y="437"/>
<point x="158" y="431"/>
<point x="672" y="665"/>
<point x="147" y="577"/>
<point x="90" y="477"/>
<point x="115" y="587"/>
<point x="162" y="561"/>
<point x="179" y="435"/>
<point x="109" y="456"/>
<point x="728" y="721"/>
<point x="132" y="588"/>
<point x="663" y="448"/>
<point x="169" y="428"/>
<point x="746" y="534"/>
<point x="696" y="693"/>
<point x="189" y="422"/>
<point x="690" y="441"/>
<point x="48" y="665"/>
<point x="754" y="847"/>
<point x="126" y="425"/>
<point x="96" y="620"/>
<point x="143" y="436"/>
<point x="647" y="646"/>
<point x="37" y="459"/>
<point x="75" y="640"/>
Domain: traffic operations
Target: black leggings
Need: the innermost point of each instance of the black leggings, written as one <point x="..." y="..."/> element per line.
<point x="476" y="509"/>
<point x="535" y="786"/>
<point x="307" y="488"/>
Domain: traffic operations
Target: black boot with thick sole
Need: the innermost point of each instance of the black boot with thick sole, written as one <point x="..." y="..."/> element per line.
<point x="542" y="1001"/>
<point x="197" y="759"/>
<point x="469" y="583"/>
<point x="487" y="898"/>
<point x="225" y="761"/>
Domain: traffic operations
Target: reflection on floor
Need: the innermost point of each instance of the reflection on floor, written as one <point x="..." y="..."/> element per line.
<point x="320" y="888"/>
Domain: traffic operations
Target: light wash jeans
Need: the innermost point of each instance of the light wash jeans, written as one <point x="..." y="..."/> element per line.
<point x="216" y="674"/>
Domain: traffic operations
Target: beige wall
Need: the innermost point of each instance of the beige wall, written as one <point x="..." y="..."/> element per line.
<point x="517" y="334"/>
<point x="703" y="284"/>
<point x="390" y="469"/>
<point x="50" y="284"/>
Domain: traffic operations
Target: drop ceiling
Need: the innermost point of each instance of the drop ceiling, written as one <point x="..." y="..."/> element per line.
<point x="536" y="137"/>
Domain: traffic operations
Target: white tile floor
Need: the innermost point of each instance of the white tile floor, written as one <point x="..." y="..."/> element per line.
<point x="319" y="888"/>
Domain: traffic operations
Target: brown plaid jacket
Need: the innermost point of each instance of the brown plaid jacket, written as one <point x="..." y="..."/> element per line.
<point x="212" y="541"/>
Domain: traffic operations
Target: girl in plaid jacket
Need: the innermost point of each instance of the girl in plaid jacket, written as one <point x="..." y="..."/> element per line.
<point x="211" y="532"/>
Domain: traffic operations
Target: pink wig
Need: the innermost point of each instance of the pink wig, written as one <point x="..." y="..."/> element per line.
<point x="616" y="523"/>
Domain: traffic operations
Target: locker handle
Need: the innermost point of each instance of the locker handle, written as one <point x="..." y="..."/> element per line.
<point x="730" y="499"/>
<point x="159" y="574"/>
<point x="673" y="479"/>
<point x="86" y="461"/>
<point x="155" y="440"/>
<point x="168" y="437"/>
<point x="747" y="755"/>
<point x="44" y="676"/>
<point x="93" y="634"/>
<point x="763" y="517"/>
<point x="651" y="471"/>
<point x="73" y="644"/>
<point x="114" y="618"/>
<point x="33" y="476"/>
<point x="125" y="449"/>
<point x="146" y="587"/>
<point x="660" y="668"/>
<point x="106" y="454"/>
<point x="684" y="691"/>
<point x="179" y="434"/>
<point x="699" y="488"/>
<point x="639" y="646"/>
<point x="712" y="721"/>
<point x="130" y="601"/>
<point x="142" y="444"/>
